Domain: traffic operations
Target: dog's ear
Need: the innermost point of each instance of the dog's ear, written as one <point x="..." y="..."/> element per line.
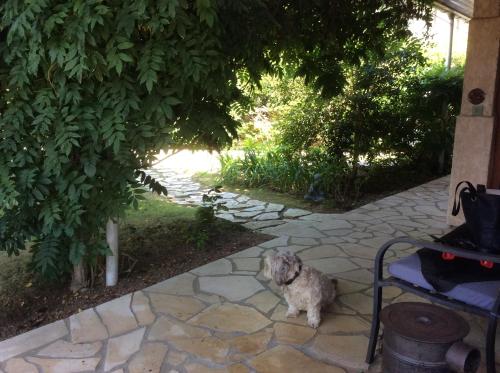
<point x="297" y="263"/>
<point x="279" y="269"/>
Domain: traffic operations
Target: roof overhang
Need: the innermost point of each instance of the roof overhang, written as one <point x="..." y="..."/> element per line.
<point x="462" y="8"/>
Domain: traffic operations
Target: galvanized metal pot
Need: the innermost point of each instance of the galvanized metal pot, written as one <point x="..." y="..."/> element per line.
<point x="424" y="338"/>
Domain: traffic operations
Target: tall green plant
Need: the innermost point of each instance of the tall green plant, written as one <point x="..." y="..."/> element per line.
<point x="286" y="170"/>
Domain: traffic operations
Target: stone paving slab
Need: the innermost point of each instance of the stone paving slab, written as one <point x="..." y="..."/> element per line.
<point x="32" y="339"/>
<point x="226" y="317"/>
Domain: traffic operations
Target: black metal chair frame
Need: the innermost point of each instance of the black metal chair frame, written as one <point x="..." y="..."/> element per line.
<point x="379" y="283"/>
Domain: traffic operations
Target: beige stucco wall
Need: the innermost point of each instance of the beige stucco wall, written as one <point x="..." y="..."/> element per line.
<point x="474" y="131"/>
<point x="486" y="8"/>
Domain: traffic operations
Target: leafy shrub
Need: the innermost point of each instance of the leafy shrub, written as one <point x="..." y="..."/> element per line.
<point x="284" y="170"/>
<point x="408" y="113"/>
<point x="356" y="123"/>
<point x="432" y="103"/>
<point x="396" y="113"/>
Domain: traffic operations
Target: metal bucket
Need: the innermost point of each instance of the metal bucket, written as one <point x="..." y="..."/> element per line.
<point x="423" y="338"/>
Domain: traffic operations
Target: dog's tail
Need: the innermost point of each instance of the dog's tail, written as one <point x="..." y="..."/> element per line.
<point x="331" y="301"/>
<point x="332" y="279"/>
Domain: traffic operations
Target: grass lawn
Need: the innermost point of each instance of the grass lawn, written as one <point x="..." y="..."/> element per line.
<point x="156" y="209"/>
<point x="14" y="276"/>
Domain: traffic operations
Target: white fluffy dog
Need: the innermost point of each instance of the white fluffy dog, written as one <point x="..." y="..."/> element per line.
<point x="305" y="288"/>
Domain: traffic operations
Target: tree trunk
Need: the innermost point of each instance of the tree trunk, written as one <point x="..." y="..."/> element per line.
<point x="112" y="260"/>
<point x="80" y="279"/>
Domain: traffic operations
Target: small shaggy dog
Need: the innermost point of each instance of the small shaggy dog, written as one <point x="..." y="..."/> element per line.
<point x="305" y="288"/>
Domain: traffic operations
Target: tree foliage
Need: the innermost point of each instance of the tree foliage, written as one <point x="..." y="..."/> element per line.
<point x="439" y="92"/>
<point x="397" y="104"/>
<point x="393" y="121"/>
<point x="90" y="90"/>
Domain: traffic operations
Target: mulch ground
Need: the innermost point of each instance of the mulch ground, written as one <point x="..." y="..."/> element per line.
<point x="148" y="256"/>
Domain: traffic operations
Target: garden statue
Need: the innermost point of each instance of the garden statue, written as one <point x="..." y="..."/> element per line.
<point x="314" y="193"/>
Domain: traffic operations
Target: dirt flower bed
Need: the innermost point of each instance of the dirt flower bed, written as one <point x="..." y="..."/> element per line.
<point x="148" y="255"/>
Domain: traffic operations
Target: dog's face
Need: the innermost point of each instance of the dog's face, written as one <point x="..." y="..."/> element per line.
<point x="282" y="267"/>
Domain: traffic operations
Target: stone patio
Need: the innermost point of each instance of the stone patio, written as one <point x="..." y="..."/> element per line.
<point x="225" y="317"/>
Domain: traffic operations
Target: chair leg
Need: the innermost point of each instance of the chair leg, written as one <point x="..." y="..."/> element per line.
<point x="490" y="344"/>
<point x="377" y="301"/>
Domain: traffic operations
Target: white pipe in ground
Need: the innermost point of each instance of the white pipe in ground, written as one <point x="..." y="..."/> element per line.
<point x="112" y="260"/>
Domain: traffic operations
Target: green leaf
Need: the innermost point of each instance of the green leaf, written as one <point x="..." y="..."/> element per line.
<point x="125" y="57"/>
<point x="76" y="252"/>
<point x="125" y="45"/>
<point x="89" y="169"/>
<point x="119" y="67"/>
<point x="173" y="101"/>
<point x="38" y="195"/>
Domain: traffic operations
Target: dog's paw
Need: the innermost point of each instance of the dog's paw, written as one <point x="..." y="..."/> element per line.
<point x="292" y="313"/>
<point x="313" y="323"/>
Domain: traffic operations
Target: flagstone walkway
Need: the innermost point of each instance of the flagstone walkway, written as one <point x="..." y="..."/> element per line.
<point x="225" y="317"/>
<point x="252" y="213"/>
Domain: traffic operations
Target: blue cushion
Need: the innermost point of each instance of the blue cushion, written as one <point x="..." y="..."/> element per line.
<point x="480" y="294"/>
